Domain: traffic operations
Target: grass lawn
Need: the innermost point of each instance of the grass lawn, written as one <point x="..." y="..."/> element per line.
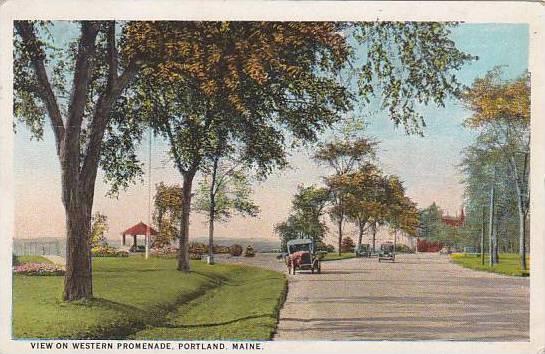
<point x="132" y="294"/>
<point x="245" y="307"/>
<point x="30" y="259"/>
<point x="509" y="263"/>
<point x="335" y="256"/>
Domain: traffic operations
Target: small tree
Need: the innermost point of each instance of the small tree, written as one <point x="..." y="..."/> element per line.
<point x="167" y="213"/>
<point x="348" y="245"/>
<point x="225" y="191"/>
<point x="99" y="227"/>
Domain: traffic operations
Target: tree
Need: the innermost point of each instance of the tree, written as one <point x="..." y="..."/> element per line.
<point x="501" y="112"/>
<point x="348" y="245"/>
<point x="363" y="192"/>
<point x="226" y="190"/>
<point x="81" y="123"/>
<point x="266" y="88"/>
<point x="167" y="213"/>
<point x="99" y="227"/>
<point x="343" y="157"/>
<point x="308" y="207"/>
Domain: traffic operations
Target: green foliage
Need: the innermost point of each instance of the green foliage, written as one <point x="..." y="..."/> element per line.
<point x="347" y="245"/>
<point x="410" y="63"/>
<point x="235" y="250"/>
<point x="167" y="213"/>
<point x="499" y="157"/>
<point x="249" y="251"/>
<point x="308" y="206"/>
<point x="228" y="192"/>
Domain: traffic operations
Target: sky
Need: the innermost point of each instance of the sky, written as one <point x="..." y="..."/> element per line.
<point x="427" y="165"/>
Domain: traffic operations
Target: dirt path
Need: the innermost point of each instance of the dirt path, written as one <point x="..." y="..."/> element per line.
<point x="56" y="259"/>
<point x="419" y="297"/>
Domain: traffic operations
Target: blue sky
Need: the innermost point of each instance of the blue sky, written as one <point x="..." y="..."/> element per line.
<point x="427" y="165"/>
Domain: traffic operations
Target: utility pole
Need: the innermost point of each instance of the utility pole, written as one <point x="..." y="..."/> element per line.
<point x="148" y="228"/>
<point x="482" y="236"/>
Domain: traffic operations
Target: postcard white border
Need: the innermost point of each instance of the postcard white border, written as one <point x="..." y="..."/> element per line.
<point x="468" y="11"/>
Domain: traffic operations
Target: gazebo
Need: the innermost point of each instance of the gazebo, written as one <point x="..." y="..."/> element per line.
<point x="136" y="230"/>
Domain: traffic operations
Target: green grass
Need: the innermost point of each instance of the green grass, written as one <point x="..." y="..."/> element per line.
<point x="508" y="265"/>
<point x="336" y="257"/>
<point x="245" y="307"/>
<point x="132" y="294"/>
<point x="31" y="259"/>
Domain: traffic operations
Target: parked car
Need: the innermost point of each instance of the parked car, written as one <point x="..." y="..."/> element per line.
<point x="363" y="250"/>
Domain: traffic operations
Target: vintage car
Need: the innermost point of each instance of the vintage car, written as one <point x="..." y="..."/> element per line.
<point x="363" y="250"/>
<point x="387" y="252"/>
<point x="302" y="255"/>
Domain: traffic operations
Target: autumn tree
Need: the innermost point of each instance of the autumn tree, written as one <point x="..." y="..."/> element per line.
<point x="501" y="114"/>
<point x="99" y="228"/>
<point x="167" y="213"/>
<point x="363" y="192"/>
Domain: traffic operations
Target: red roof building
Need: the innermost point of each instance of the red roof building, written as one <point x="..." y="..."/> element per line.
<point x="136" y="230"/>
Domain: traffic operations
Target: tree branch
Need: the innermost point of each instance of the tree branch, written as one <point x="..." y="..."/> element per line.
<point x="37" y="55"/>
<point x="81" y="82"/>
<point x="100" y="121"/>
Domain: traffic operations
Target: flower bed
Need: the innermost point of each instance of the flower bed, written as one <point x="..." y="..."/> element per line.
<point x="38" y="269"/>
<point x="107" y="251"/>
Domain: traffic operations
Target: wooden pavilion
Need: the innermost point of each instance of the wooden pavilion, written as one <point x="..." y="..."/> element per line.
<point x="139" y="229"/>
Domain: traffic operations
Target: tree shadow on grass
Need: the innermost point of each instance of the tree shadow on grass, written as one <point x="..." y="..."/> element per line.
<point x="216" y="324"/>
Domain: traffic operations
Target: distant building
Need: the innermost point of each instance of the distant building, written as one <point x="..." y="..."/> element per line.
<point x="454" y="221"/>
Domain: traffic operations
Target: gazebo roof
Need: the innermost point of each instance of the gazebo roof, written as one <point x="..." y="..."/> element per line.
<point x="139" y="229"/>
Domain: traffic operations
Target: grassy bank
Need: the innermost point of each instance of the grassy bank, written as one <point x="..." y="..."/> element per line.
<point x="133" y="295"/>
<point x="509" y="263"/>
<point x="30" y="259"/>
<point x="336" y="257"/>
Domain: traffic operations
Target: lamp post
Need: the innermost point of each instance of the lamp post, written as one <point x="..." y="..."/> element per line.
<point x="148" y="227"/>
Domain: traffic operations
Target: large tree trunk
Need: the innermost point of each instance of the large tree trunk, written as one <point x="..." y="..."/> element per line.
<point x="183" y="249"/>
<point x="78" y="203"/>
<point x="78" y="278"/>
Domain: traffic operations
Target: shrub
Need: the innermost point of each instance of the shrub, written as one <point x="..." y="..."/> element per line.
<point x="14" y="260"/>
<point x="165" y="251"/>
<point x="235" y="250"/>
<point x="429" y="246"/>
<point x="250" y="252"/>
<point x="195" y="256"/>
<point x="108" y="251"/>
<point x="39" y="269"/>
<point x="347" y="245"/>
<point x="401" y="248"/>
<point x="198" y="248"/>
<point x="218" y="249"/>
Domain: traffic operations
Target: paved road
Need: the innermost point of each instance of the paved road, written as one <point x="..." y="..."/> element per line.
<point x="420" y="297"/>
